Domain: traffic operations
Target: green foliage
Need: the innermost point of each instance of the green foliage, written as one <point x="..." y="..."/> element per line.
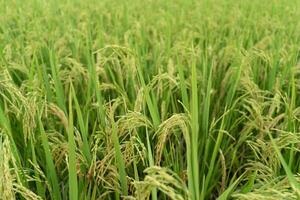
<point x="149" y="99"/>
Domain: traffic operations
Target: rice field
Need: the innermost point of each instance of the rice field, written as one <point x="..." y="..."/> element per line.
<point x="149" y="99"/>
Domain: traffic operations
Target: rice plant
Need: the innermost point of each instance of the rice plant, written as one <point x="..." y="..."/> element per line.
<point x="149" y="99"/>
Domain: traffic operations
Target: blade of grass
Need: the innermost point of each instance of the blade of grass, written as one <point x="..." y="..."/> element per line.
<point x="51" y="172"/>
<point x="151" y="163"/>
<point x="60" y="97"/>
<point x="40" y="189"/>
<point x="226" y="194"/>
<point x="294" y="183"/>
<point x="195" y="187"/>
<point x="119" y="159"/>
<point x="83" y="128"/>
<point x="73" y="182"/>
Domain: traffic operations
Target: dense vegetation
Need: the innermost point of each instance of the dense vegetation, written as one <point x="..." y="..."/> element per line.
<point x="150" y="99"/>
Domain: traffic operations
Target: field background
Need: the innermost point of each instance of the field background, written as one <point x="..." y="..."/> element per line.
<point x="149" y="99"/>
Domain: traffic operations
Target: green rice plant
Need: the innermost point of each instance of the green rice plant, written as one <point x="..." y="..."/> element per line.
<point x="73" y="183"/>
<point x="149" y="99"/>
